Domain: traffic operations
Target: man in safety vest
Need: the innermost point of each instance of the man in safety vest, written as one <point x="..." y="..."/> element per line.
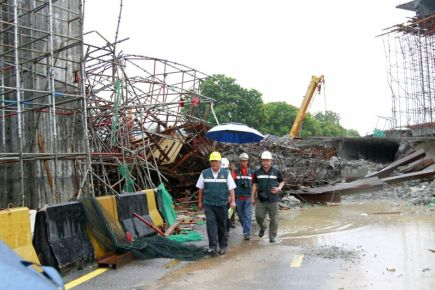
<point x="214" y="185"/>
<point x="225" y="164"/>
<point x="268" y="183"/>
<point x="243" y="178"/>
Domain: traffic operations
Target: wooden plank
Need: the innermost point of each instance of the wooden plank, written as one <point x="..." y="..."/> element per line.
<point x="386" y="171"/>
<point x="172" y="228"/>
<point x="116" y="260"/>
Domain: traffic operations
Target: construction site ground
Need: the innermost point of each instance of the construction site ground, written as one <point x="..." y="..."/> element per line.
<point x="374" y="240"/>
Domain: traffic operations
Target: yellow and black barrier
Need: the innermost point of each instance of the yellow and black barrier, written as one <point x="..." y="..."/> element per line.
<point x="153" y="209"/>
<point x="108" y="205"/>
<point x="15" y="232"/>
<point x="135" y="202"/>
<point x="60" y="237"/>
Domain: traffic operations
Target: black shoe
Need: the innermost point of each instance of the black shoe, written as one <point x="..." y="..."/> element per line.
<point x="261" y="233"/>
<point x="272" y="239"/>
<point x="247" y="237"/>
<point x="212" y="252"/>
<point x="223" y="251"/>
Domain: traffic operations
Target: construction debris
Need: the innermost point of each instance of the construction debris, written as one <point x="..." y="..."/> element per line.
<point x="370" y="183"/>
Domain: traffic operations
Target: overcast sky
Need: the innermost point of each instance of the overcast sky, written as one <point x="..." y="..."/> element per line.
<point x="271" y="46"/>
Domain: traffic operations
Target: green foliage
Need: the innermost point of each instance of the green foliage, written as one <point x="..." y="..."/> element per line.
<point x="234" y="103"/>
<point x="279" y="116"/>
<point x="330" y="123"/>
<point x="310" y="127"/>
<point x="328" y="117"/>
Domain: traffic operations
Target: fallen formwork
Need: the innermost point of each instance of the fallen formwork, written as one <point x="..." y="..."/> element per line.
<point x="376" y="181"/>
<point x="323" y="169"/>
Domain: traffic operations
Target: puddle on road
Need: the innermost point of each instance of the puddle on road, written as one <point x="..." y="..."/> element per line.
<point x="391" y="242"/>
<point x="387" y="244"/>
<point x="321" y="220"/>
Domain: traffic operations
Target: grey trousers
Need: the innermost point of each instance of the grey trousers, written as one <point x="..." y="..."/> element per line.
<point x="261" y="210"/>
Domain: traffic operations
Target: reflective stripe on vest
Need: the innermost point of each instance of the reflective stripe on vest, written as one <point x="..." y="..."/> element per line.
<point x="215" y="189"/>
<point x="266" y="182"/>
<point x="267" y="176"/>
<point x="243" y="179"/>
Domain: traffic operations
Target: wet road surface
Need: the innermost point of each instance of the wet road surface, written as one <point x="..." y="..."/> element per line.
<point x="352" y="245"/>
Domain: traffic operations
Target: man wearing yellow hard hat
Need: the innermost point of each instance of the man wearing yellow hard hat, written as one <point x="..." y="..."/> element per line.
<point x="214" y="185"/>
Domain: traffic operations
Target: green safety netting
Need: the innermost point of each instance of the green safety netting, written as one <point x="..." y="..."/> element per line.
<point x="112" y="238"/>
<point x="186" y="236"/>
<point x="124" y="170"/>
<point x="116" y="115"/>
<point x="378" y="133"/>
<point x="168" y="206"/>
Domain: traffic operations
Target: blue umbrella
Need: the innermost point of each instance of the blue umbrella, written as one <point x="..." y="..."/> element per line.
<point x="234" y="133"/>
<point x="16" y="273"/>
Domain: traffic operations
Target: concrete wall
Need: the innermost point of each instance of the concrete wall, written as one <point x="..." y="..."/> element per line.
<point x="67" y="136"/>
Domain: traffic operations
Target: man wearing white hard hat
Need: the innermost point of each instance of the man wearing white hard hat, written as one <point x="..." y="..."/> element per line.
<point x="225" y="164"/>
<point x="243" y="177"/>
<point x="215" y="184"/>
<point x="268" y="183"/>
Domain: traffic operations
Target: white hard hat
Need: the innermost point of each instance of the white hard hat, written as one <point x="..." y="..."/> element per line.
<point x="244" y="156"/>
<point x="225" y="163"/>
<point x="266" y="155"/>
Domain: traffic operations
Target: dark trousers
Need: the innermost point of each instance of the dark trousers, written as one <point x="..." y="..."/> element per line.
<point x="216" y="222"/>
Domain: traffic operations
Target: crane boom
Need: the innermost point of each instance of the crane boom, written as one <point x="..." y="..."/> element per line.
<point x="314" y="84"/>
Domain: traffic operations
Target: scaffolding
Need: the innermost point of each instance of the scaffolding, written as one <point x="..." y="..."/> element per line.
<point x="410" y="53"/>
<point x="79" y="118"/>
<point x="145" y="120"/>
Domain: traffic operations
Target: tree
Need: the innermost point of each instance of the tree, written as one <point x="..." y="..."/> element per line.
<point x="328" y="116"/>
<point x="352" y="133"/>
<point x="279" y="118"/>
<point x="311" y="127"/>
<point x="330" y="123"/>
<point x="234" y="103"/>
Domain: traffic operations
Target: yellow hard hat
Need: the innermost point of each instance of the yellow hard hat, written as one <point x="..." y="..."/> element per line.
<point x="215" y="156"/>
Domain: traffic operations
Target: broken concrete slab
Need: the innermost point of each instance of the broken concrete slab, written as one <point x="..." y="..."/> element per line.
<point x="413" y="175"/>
<point x="329" y="193"/>
<point x="418" y="165"/>
<point x="386" y="171"/>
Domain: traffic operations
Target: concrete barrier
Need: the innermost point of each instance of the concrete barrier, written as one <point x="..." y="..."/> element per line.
<point x="108" y="205"/>
<point x="153" y="210"/>
<point x="60" y="237"/>
<point x="127" y="204"/>
<point x="15" y="231"/>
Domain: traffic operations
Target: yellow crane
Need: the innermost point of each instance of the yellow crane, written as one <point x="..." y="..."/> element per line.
<point x="315" y="83"/>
